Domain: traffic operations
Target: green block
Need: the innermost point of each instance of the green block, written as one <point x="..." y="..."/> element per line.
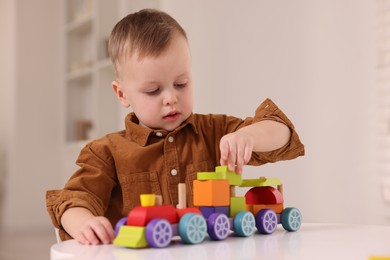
<point x="261" y="182"/>
<point x="234" y="178"/>
<point x="131" y="236"/>
<point x="237" y="204"/>
<point x="221" y="173"/>
<point x="205" y="176"/>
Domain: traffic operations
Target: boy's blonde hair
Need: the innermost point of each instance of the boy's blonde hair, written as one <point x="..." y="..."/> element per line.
<point x="146" y="33"/>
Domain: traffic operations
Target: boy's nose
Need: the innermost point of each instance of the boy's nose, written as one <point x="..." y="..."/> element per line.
<point x="170" y="98"/>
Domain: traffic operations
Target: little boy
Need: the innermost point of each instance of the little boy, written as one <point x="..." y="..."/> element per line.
<point x="164" y="143"/>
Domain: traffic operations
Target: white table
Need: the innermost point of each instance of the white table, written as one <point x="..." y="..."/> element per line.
<point x="312" y="241"/>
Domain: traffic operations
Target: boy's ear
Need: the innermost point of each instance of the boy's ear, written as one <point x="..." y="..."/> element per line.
<point x="119" y="94"/>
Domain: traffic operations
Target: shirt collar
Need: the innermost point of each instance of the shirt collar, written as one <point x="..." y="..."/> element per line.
<point x="141" y="134"/>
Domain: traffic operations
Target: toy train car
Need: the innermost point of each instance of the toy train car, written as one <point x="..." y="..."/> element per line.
<point x="217" y="212"/>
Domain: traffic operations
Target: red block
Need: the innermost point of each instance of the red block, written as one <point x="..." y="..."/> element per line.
<point x="263" y="195"/>
<point x="140" y="216"/>
<point x="182" y="212"/>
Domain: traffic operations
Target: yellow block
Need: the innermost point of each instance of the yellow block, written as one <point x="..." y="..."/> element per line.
<point x="147" y="200"/>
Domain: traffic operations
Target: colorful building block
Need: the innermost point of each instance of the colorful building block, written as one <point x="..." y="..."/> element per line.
<point x="237" y="204"/>
<point x="260" y="182"/>
<point x="140" y="216"/>
<point x="208" y="210"/>
<point x="148" y="200"/>
<point x="234" y="178"/>
<point x="221" y="173"/>
<point x="130" y="236"/>
<point x="211" y="193"/>
<point x="204" y="176"/>
<point x="263" y="195"/>
<point x="254" y="208"/>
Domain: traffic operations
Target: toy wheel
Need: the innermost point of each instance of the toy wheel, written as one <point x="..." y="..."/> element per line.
<point x="218" y="226"/>
<point x="291" y="219"/>
<point x="192" y="228"/>
<point x="120" y="223"/>
<point x="244" y="224"/>
<point x="159" y="233"/>
<point x="266" y="221"/>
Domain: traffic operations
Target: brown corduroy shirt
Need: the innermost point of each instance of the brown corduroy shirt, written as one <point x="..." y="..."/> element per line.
<point x="117" y="168"/>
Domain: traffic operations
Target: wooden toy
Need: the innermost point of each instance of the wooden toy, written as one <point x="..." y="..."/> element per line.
<point x="217" y="212"/>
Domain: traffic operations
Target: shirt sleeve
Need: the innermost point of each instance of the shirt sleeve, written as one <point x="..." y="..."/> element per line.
<point x="84" y="188"/>
<point x="268" y="110"/>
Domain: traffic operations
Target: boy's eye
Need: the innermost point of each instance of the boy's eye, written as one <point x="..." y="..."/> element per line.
<point x="153" y="92"/>
<point x="181" y="85"/>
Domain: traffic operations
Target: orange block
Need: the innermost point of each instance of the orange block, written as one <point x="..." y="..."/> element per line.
<point x="211" y="193"/>
<point x="254" y="208"/>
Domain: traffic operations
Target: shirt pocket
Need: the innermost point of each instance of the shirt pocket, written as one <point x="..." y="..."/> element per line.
<point x="192" y="170"/>
<point x="135" y="184"/>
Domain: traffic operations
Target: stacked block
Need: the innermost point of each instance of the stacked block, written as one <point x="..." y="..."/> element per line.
<point x="261" y="182"/>
<point x="221" y="173"/>
<point x="237" y="204"/>
<point x="211" y="193"/>
<point x="208" y="210"/>
<point x="131" y="237"/>
<point x="258" y="198"/>
<point x="147" y="200"/>
<point x="140" y="216"/>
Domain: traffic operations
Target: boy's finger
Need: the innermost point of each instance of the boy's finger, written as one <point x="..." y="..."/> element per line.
<point x="110" y="231"/>
<point x="102" y="233"/>
<point x="240" y="160"/>
<point x="224" y="148"/>
<point x="247" y="154"/>
<point x="232" y="157"/>
<point x="90" y="236"/>
<point x="82" y="239"/>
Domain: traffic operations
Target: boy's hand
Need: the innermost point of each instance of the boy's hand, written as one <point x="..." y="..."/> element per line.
<point x="236" y="150"/>
<point x="86" y="228"/>
<point x="96" y="230"/>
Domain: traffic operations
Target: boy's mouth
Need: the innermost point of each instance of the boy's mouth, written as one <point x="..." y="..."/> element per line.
<point x="172" y="116"/>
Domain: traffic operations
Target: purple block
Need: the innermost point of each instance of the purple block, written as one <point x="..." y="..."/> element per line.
<point x="223" y="210"/>
<point x="207" y="211"/>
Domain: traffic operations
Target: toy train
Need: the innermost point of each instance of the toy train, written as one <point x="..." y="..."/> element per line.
<point x="217" y="211"/>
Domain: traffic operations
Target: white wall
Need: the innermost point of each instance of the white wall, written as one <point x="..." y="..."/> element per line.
<point x="316" y="60"/>
<point x="7" y="82"/>
<point x="32" y="110"/>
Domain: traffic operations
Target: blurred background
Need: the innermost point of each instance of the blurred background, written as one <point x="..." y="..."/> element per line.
<point x="323" y="62"/>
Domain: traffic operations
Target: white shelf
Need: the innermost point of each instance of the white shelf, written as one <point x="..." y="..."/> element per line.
<point x="104" y="64"/>
<point x="79" y="74"/>
<point x="87" y="70"/>
<point x="81" y="25"/>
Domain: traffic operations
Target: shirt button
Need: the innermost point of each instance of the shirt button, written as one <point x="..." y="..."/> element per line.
<point x="171" y="139"/>
<point x="173" y="172"/>
<point x="159" y="134"/>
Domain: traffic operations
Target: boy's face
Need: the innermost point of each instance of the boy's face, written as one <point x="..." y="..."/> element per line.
<point x="159" y="89"/>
